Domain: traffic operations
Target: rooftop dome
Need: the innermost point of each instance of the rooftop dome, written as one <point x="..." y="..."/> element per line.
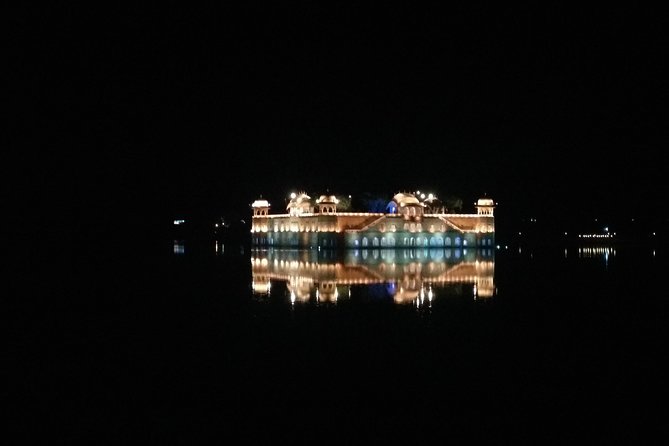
<point x="327" y="199"/>
<point x="404" y="199"/>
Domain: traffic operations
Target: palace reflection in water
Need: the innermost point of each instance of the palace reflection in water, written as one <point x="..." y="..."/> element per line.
<point x="407" y="275"/>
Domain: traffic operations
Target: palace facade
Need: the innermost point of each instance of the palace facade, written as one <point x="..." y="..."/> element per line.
<point x="407" y="223"/>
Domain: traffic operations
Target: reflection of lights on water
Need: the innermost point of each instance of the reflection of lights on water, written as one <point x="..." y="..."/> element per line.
<point x="261" y="287"/>
<point x="598" y="251"/>
<point x="314" y="282"/>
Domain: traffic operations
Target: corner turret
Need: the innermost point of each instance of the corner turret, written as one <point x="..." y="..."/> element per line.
<point x="485" y="206"/>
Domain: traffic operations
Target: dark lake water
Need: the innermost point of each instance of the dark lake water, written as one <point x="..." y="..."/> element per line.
<point x="187" y="341"/>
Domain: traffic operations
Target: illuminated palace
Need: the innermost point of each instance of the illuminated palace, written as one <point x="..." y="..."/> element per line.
<point x="408" y="222"/>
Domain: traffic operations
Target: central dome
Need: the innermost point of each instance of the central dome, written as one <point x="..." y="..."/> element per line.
<point x="404" y="199"/>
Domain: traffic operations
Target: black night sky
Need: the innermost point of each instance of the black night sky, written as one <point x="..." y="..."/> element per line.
<point x="547" y="110"/>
